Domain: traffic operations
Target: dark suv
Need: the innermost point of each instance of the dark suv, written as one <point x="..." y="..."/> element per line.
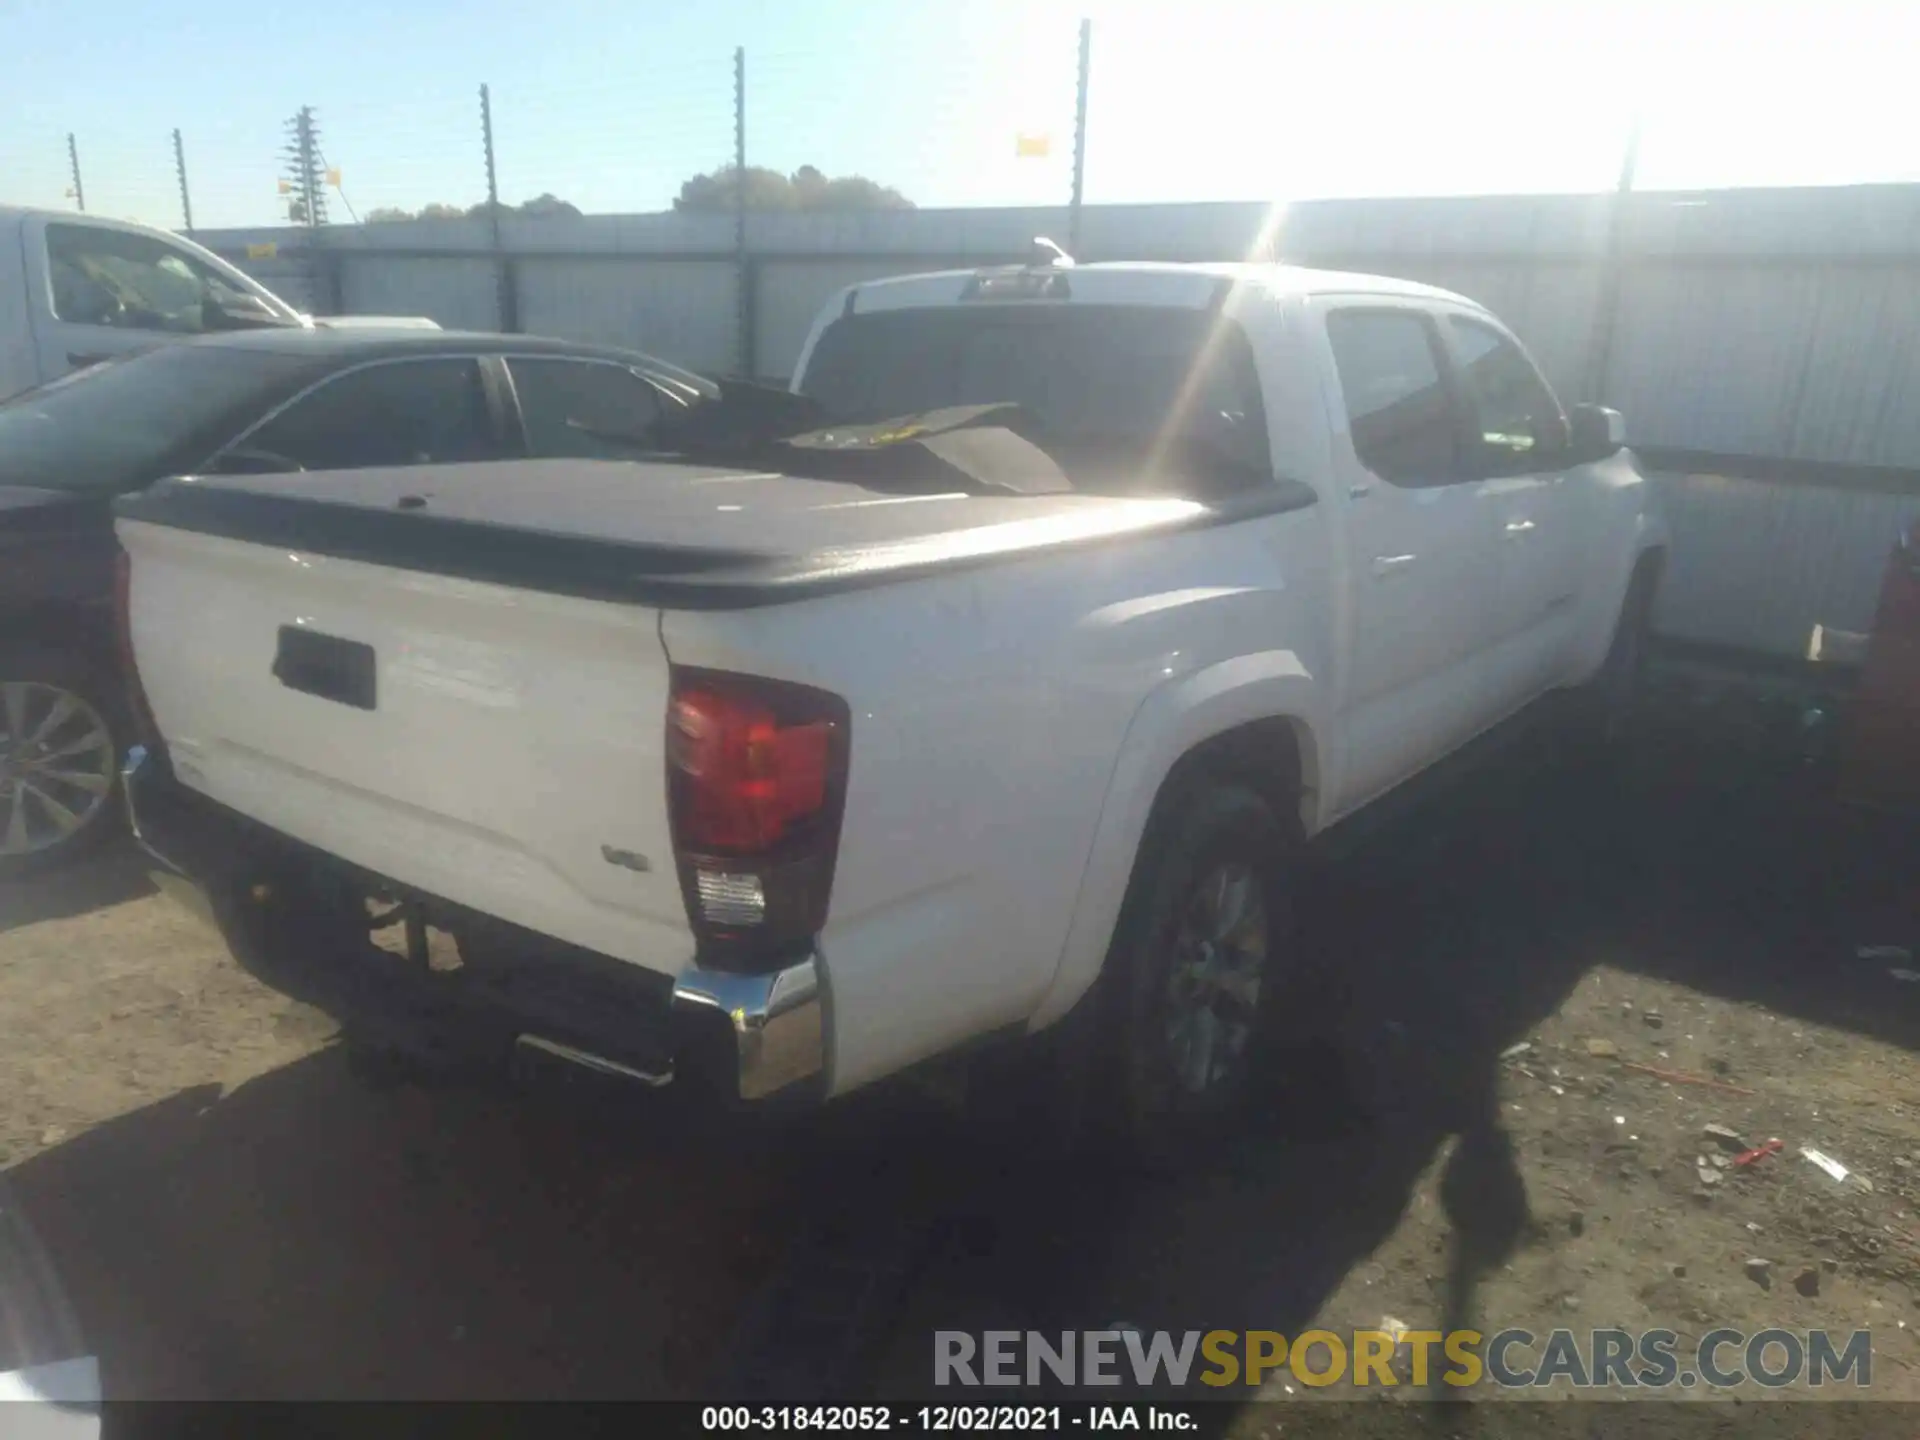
<point x="271" y="400"/>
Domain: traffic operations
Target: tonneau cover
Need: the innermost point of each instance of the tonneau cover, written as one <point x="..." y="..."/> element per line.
<point x="668" y="533"/>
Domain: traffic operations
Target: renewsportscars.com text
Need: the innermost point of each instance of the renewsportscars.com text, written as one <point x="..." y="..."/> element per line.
<point x="1514" y="1358"/>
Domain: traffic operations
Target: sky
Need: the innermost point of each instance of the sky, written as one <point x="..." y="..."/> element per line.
<point x="611" y="105"/>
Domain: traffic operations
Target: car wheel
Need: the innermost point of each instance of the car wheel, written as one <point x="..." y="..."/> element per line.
<point x="1206" y="940"/>
<point x="59" y="760"/>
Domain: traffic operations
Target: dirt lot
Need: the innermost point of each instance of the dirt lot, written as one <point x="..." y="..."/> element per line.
<point x="234" y="1212"/>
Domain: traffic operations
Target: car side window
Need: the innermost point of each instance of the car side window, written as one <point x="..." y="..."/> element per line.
<point x="1398" y="413"/>
<point x="1519" y="423"/>
<point x="592" y="410"/>
<point x="412" y="412"/>
<point x="134" y="282"/>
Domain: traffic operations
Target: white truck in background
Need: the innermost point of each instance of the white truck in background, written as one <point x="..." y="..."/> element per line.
<point x="946" y="727"/>
<point x="77" y="289"/>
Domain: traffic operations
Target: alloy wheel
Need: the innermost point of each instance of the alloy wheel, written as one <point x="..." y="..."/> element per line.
<point x="1213" y="989"/>
<point x="56" y="766"/>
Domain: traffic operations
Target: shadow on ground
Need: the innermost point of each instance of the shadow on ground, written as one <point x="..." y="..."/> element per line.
<point x="309" y="1236"/>
<point x="116" y="874"/>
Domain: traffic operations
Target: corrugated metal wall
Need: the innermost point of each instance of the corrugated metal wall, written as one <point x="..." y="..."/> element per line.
<point x="458" y="292"/>
<point x="1782" y="325"/>
<point x="684" y="308"/>
<point x="1756" y="565"/>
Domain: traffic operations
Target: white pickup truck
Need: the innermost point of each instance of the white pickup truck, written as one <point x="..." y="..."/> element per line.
<point x="938" y="730"/>
<point x="79" y="289"/>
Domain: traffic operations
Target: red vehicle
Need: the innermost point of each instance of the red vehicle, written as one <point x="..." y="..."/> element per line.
<point x="1880" y="765"/>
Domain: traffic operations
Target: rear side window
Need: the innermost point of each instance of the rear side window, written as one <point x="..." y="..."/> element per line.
<point x="584" y="409"/>
<point x="415" y="412"/>
<point x="1515" y="415"/>
<point x="1397" y="411"/>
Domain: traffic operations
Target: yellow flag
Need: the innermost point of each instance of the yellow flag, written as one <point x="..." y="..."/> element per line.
<point x="1032" y="147"/>
<point x="286" y="187"/>
<point x="333" y="178"/>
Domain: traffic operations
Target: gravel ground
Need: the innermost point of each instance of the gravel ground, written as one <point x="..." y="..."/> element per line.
<point x="233" y="1211"/>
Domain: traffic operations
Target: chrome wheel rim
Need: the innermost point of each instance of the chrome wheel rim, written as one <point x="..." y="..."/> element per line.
<point x="1213" y="990"/>
<point x="56" y="766"/>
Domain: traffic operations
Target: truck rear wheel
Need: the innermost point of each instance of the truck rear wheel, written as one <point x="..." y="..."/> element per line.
<point x="1205" y="943"/>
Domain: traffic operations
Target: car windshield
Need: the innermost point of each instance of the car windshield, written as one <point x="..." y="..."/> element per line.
<point x="109" y="428"/>
<point x="1116" y="380"/>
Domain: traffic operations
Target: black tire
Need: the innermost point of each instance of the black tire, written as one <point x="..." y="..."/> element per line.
<point x="49" y="670"/>
<point x="1603" y="708"/>
<point x="1179" y="1079"/>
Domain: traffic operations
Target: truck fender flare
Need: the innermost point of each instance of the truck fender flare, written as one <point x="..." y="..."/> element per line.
<point x="1178" y="715"/>
<point x="1649" y="538"/>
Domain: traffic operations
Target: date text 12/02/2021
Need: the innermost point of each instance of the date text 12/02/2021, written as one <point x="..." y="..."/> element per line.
<point x="941" y="1419"/>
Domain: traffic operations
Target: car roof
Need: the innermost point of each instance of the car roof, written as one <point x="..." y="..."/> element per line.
<point x="374" y="341"/>
<point x="1276" y="279"/>
<point x="325" y="349"/>
<point x="77" y="217"/>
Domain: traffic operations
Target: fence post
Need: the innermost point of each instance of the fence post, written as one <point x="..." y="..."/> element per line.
<point x="73" y="166"/>
<point x="507" y="295"/>
<point x="180" y="169"/>
<point x="1607" y="302"/>
<point x="743" y="270"/>
<point x="1079" y="139"/>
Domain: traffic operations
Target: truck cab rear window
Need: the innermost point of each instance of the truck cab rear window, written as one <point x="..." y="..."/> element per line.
<point x="1146" y="379"/>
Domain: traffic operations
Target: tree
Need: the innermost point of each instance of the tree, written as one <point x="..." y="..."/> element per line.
<point x="546" y="206"/>
<point x="806" y="189"/>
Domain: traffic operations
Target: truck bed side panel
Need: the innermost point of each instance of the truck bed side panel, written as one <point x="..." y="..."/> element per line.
<point x="988" y="709"/>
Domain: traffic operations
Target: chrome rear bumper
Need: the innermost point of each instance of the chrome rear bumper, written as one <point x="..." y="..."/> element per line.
<point x="776" y="1023"/>
<point x="779" y="1022"/>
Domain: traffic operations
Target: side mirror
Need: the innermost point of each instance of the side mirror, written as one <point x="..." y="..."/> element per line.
<point x="1596" y="432"/>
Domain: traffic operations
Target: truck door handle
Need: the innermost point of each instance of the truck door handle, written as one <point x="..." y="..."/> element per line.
<point x="1517" y="528"/>
<point x="1385" y="565"/>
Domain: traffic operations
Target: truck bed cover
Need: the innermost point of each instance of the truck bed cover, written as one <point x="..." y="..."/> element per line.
<point x="666" y="533"/>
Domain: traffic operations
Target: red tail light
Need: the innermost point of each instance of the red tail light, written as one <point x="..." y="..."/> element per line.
<point x="145" y="732"/>
<point x="756" y="774"/>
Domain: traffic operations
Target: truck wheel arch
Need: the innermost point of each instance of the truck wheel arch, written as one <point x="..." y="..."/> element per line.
<point x="1254" y="719"/>
<point x="1644" y="564"/>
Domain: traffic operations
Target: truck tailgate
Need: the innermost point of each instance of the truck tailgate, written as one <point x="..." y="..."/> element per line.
<point x="496" y="747"/>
